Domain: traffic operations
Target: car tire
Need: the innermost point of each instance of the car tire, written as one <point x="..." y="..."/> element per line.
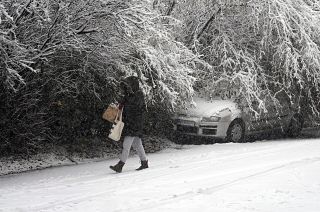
<point x="295" y="126"/>
<point x="236" y="132"/>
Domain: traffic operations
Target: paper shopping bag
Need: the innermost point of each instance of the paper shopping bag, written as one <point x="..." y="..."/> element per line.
<point x="111" y="113"/>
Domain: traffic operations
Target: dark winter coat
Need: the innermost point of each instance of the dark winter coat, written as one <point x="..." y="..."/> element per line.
<point x="134" y="108"/>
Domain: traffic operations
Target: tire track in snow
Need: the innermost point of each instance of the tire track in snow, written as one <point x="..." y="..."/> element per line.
<point x="216" y="188"/>
<point x="235" y="155"/>
<point x="153" y="174"/>
<point x="188" y="194"/>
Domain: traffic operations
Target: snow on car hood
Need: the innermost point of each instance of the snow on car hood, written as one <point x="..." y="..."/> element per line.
<point x="207" y="108"/>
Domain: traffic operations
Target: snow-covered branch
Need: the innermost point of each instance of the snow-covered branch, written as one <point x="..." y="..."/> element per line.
<point x="262" y="48"/>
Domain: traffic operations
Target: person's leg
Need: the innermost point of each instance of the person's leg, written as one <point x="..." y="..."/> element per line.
<point x="124" y="156"/>
<point x="127" y="143"/>
<point x="137" y="145"/>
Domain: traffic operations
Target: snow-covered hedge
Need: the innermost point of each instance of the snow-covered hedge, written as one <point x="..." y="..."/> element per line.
<point x="61" y="62"/>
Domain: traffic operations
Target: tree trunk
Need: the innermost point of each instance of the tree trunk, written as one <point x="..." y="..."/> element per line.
<point x="208" y="22"/>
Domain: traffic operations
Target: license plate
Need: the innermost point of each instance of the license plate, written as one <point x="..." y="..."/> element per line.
<point x="186" y="122"/>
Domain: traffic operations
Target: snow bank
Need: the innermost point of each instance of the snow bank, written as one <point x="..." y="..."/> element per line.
<point x="60" y="157"/>
<point x="12" y="165"/>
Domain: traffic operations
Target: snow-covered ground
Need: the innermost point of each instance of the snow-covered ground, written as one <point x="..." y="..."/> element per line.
<point x="277" y="176"/>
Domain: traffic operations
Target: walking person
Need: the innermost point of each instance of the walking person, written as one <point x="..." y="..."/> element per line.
<point x="133" y="106"/>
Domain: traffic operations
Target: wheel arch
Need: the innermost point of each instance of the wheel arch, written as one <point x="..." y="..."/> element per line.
<point x="242" y="122"/>
<point x="238" y="119"/>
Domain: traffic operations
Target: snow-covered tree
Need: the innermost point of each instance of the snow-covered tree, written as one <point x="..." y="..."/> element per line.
<point x="61" y="63"/>
<point x="127" y="35"/>
<point x="262" y="48"/>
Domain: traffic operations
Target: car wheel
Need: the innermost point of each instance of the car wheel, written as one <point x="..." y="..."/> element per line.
<point x="236" y="132"/>
<point x="295" y="126"/>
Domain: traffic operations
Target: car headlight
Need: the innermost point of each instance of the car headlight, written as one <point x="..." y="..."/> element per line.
<point x="211" y="119"/>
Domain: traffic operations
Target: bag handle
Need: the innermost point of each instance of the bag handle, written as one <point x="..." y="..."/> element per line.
<point x="120" y="118"/>
<point x="121" y="114"/>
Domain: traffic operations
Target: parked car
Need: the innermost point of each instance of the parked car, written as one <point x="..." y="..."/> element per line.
<point x="218" y="118"/>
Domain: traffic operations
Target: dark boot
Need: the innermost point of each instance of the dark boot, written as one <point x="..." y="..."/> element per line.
<point x="117" y="167"/>
<point x="144" y="165"/>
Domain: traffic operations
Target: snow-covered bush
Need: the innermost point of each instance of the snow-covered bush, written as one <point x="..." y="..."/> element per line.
<point x="61" y="63"/>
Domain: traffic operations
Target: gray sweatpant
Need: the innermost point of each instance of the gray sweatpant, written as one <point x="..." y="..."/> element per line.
<point x="136" y="143"/>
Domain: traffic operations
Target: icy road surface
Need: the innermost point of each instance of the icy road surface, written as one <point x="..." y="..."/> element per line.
<point x="268" y="176"/>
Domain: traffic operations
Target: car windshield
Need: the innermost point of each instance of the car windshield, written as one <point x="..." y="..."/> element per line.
<point x="210" y="96"/>
<point x="223" y="91"/>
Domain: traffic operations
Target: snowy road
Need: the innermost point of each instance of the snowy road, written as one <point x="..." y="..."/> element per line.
<point x="269" y="176"/>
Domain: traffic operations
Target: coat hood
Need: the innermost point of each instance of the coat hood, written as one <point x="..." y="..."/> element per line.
<point x="130" y="84"/>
